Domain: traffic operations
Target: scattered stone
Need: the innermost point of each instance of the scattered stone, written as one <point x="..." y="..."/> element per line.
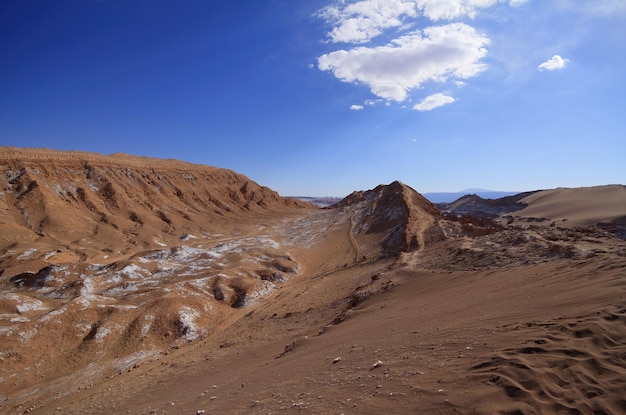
<point x="377" y="364"/>
<point x="336" y="360"/>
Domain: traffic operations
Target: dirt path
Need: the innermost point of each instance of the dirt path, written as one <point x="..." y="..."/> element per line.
<point x="359" y="256"/>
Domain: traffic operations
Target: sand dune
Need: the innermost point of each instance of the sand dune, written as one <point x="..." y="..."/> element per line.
<point x="578" y="207"/>
<point x="167" y="287"/>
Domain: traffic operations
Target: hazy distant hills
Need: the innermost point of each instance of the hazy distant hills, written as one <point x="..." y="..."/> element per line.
<point x="434" y="197"/>
<point x="448" y="197"/>
<point x="320" y="201"/>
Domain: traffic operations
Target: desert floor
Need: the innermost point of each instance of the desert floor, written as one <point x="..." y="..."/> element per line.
<point x="398" y="336"/>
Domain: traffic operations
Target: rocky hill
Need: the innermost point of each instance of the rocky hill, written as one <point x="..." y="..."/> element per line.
<point x="396" y="211"/>
<point x="599" y="206"/>
<point x="79" y="205"/>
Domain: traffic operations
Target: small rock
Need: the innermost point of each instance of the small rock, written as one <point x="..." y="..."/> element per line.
<point x="199" y="411"/>
<point x="336" y="360"/>
<point x="377" y="364"/>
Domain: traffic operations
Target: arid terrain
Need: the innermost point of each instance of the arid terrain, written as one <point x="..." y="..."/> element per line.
<point x="144" y="286"/>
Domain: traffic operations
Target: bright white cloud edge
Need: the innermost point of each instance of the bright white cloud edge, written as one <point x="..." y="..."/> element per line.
<point x="361" y="21"/>
<point x="555" y="62"/>
<point x="355" y="107"/>
<point x="433" y="101"/>
<point x="439" y="53"/>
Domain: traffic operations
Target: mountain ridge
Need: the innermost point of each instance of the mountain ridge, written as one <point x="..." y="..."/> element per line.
<point x="62" y="198"/>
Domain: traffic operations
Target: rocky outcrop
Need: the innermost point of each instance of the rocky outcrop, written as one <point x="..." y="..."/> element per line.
<point x="393" y="217"/>
<point x="480" y="207"/>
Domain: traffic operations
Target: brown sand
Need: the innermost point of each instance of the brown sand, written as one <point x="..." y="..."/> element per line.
<point x="376" y="306"/>
<point x="578" y="207"/>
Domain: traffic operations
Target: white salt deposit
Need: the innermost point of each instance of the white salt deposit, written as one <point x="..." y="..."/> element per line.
<point x="24" y="303"/>
<point x="140" y="356"/>
<point x="27" y="253"/>
<point x="26" y="335"/>
<point x="133" y="271"/>
<point x="101" y="333"/>
<point x="186" y="323"/>
<point x="149" y="318"/>
<point x="263" y="289"/>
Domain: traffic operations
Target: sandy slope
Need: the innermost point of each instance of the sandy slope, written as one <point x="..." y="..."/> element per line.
<point x="378" y="305"/>
<point x="541" y="338"/>
<point x="578" y="207"/>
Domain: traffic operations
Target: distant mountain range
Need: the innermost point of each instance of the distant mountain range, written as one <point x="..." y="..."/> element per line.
<point x="435" y="197"/>
<point x="448" y="197"/>
<point x="319" y="201"/>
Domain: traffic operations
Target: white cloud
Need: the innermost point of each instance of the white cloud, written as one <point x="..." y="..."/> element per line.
<point x="356" y="107"/>
<point x="450" y="9"/>
<point x="439" y="53"/>
<point x="433" y="101"/>
<point x="361" y="21"/>
<point x="556" y="62"/>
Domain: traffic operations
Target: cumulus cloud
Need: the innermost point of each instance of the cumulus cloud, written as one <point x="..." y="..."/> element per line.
<point x="443" y="52"/>
<point x="361" y="21"/>
<point x="356" y="107"/>
<point x="433" y="101"/>
<point x="450" y="9"/>
<point x="453" y="51"/>
<point x="556" y="62"/>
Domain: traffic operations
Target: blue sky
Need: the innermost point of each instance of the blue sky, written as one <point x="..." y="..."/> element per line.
<point x="321" y="98"/>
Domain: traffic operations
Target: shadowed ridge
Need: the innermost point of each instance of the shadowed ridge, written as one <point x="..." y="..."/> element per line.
<point x="478" y="206"/>
<point x="395" y="216"/>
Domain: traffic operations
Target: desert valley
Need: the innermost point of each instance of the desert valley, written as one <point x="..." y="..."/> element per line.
<point x="145" y="286"/>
